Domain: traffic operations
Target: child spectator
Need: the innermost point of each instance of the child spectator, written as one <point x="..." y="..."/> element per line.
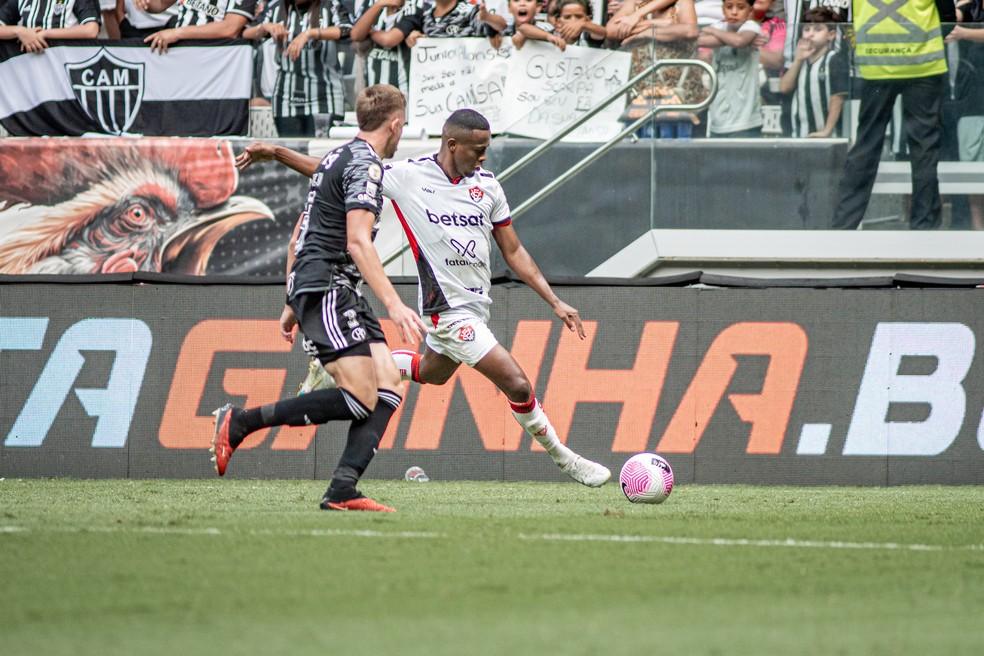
<point x="526" y="26"/>
<point x="817" y="78"/>
<point x="796" y="9"/>
<point x="386" y="65"/>
<point x="571" y="24"/>
<point x="33" y="22"/>
<point x="736" y="110"/>
<point x="574" y="24"/>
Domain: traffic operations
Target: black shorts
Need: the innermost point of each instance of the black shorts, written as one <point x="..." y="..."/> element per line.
<point x="336" y="323"/>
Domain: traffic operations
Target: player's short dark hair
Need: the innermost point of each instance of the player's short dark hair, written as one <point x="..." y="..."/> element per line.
<point x="376" y="104"/>
<point x="821" y="15"/>
<point x="465" y="120"/>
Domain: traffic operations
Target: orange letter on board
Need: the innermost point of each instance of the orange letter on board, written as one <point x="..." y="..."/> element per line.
<point x="637" y="389"/>
<point x="768" y="411"/>
<point x="181" y="425"/>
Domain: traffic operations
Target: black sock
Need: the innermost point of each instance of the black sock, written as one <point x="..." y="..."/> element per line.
<point x="315" y="407"/>
<point x="363" y="440"/>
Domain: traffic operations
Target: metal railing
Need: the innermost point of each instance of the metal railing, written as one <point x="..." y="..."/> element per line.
<point x="529" y="157"/>
<point x="605" y="147"/>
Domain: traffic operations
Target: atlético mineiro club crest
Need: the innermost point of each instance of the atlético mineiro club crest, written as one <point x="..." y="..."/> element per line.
<point x="109" y="89"/>
<point x="476" y="194"/>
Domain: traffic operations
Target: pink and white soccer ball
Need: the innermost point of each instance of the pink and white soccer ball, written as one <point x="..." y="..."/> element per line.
<point x="646" y="478"/>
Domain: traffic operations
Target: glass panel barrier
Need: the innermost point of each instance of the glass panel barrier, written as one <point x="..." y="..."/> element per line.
<point x="770" y="152"/>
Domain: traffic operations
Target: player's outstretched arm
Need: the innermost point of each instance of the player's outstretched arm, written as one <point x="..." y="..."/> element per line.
<point x="360" y="247"/>
<point x="261" y="151"/>
<point x="520" y="261"/>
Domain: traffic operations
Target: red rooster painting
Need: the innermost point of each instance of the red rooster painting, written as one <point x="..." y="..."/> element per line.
<point x="85" y="206"/>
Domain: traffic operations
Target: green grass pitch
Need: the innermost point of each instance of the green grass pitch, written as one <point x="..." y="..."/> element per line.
<point x="252" y="567"/>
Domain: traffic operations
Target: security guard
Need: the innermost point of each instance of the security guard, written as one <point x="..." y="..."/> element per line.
<point x="899" y="51"/>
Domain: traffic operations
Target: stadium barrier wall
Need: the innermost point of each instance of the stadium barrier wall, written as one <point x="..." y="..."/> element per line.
<point x="188" y="211"/>
<point x="212" y="220"/>
<point x="766" y="386"/>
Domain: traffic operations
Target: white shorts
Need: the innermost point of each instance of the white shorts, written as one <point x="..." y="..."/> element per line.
<point x="461" y="336"/>
<point x="107" y="5"/>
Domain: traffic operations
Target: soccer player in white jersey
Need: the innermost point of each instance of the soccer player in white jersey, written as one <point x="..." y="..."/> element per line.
<point x="452" y="210"/>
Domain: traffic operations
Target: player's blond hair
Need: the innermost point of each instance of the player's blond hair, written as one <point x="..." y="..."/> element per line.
<point x="376" y="104"/>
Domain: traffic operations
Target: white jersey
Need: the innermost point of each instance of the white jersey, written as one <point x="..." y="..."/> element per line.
<point x="449" y="226"/>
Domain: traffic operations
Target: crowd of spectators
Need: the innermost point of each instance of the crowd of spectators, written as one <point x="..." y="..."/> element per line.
<point x="768" y="54"/>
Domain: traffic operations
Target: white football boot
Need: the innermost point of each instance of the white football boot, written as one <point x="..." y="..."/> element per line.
<point x="587" y="472"/>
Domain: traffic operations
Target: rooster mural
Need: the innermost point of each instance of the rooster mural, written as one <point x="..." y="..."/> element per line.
<point x="86" y="206"/>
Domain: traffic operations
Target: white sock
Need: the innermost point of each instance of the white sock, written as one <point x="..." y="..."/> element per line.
<point x="407" y="362"/>
<point x="534" y="421"/>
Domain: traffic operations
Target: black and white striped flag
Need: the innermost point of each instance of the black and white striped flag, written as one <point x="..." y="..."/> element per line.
<point x="198" y="88"/>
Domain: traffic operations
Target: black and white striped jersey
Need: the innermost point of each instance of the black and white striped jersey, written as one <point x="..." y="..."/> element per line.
<point x="462" y="20"/>
<point x="795" y="9"/>
<point x="313" y="83"/>
<point x="816" y="84"/>
<point x="48" y="14"/>
<point x="391" y="65"/>
<point x="348" y="178"/>
<point x="203" y="12"/>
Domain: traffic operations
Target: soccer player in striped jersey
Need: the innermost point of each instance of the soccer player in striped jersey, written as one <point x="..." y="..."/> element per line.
<point x="33" y="22"/>
<point x="332" y="255"/>
<point x="574" y="24"/>
<point x="817" y="78"/>
<point x="199" y="19"/>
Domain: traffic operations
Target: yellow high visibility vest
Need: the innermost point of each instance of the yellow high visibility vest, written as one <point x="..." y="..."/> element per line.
<point x="898" y="39"/>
